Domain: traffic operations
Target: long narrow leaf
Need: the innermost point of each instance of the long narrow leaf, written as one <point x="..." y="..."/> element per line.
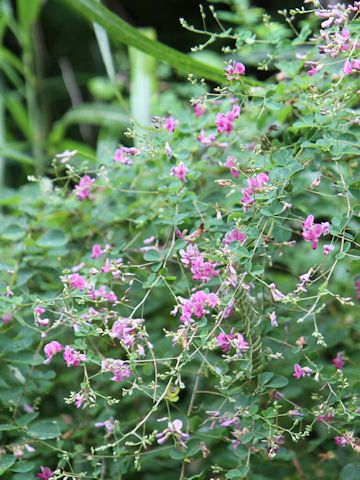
<point x="121" y="31"/>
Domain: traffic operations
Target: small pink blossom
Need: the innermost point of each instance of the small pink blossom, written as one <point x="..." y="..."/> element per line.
<point x="255" y="184"/>
<point x="276" y="294"/>
<point x="170" y="124"/>
<point x="72" y="357"/>
<point x="347" y="68"/>
<point x="197" y="305"/>
<point x="224" y="340"/>
<point x="118" y="368"/>
<point x="83" y="189"/>
<point x="46" y="473"/>
<point x="313" y="231"/>
<point x="301" y="372"/>
<point x="52" y="349"/>
<point x="234" y="70"/>
<point x="79" y="400"/>
<point x="6" y="318"/>
<point x="341" y="441"/>
<point x="206" y="140"/>
<point x="273" y="319"/>
<point x="234" y="236"/>
<point x="231" y="164"/>
<point x="173" y="430"/>
<point x="180" y="171"/>
<point x="225" y="121"/>
<point x="77" y="281"/>
<point x="125" y="329"/>
<point x="96" y="251"/>
<point x="338" y="361"/>
<point x="199" y="109"/>
<point x="327" y="249"/>
<point x="122" y="155"/>
<point x="108" y="424"/>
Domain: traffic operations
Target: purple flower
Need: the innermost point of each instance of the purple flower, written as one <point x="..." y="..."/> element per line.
<point x="338" y="361"/>
<point x="233" y="70"/>
<point x="180" y="171"/>
<point x="313" y="231"/>
<point x="46" y="473"/>
<point x="72" y="357"/>
<point x="170" y="124"/>
<point x="301" y="372"/>
<point x="173" y="429"/>
<point x="83" y="189"/>
<point x="52" y="349"/>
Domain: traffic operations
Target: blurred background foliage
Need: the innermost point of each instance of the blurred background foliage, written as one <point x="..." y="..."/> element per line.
<point x="56" y="92"/>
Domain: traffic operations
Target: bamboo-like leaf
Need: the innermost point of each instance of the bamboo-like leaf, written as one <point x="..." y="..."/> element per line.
<point x="121" y="31"/>
<point x="99" y="114"/>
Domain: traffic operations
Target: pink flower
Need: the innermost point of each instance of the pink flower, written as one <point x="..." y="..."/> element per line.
<point x="233" y="70"/>
<point x="46" y="473"/>
<point x="255" y="184"/>
<point x="338" y="361"/>
<point x="301" y="372"/>
<point x="124" y="329"/>
<point x="170" y="124"/>
<point x="327" y="418"/>
<point x="79" y="400"/>
<point x="108" y="424"/>
<point x="273" y="319"/>
<point x="72" y="357"/>
<point x="180" y="171"/>
<point x="224" y="341"/>
<point x="206" y="140"/>
<point x="39" y="310"/>
<point x="173" y="429"/>
<point x="231" y="164"/>
<point x="357" y="289"/>
<point x="6" y="318"/>
<point x="240" y="344"/>
<point x="224" y="122"/>
<point x="77" y="281"/>
<point x="199" y="109"/>
<point x="118" y="368"/>
<point x="347" y="68"/>
<point x="234" y="236"/>
<point x="313" y="231"/>
<point x="197" y="305"/>
<point x="96" y="251"/>
<point x="83" y="189"/>
<point x="327" y="249"/>
<point x="276" y="294"/>
<point x="341" y="441"/>
<point x="52" y="349"/>
<point x="122" y="155"/>
<point x="200" y="269"/>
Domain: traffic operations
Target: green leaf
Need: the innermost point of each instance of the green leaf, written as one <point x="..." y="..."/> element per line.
<point x="52" y="239"/>
<point x="350" y="472"/>
<point x="44" y="429"/>
<point x="23" y="467"/>
<point x="6" y="461"/>
<point x="100" y="114"/>
<point x="354" y="188"/>
<point x="265" y="377"/>
<point x="121" y="31"/>
<point x="277" y="382"/>
<point x="13" y="232"/>
<point x="152" y="256"/>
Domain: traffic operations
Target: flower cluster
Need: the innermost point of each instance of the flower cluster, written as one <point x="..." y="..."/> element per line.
<point x="84" y="187"/>
<point x="197" y="306"/>
<point x="234" y="70"/>
<point x="173" y="430"/>
<point x="313" y="231"/>
<point x="225" y="121"/>
<point x="201" y="270"/>
<point x="227" y="340"/>
<point x="122" y="155"/>
<point x="119" y="369"/>
<point x="255" y="184"/>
